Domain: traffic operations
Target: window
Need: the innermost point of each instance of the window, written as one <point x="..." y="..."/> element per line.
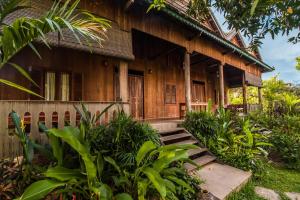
<point x="170" y="94"/>
<point x="50" y="86"/>
<point x="57" y="86"/>
<point x="65" y="86"/>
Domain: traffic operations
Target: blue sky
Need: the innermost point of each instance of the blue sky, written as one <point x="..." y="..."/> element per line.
<point x="278" y="53"/>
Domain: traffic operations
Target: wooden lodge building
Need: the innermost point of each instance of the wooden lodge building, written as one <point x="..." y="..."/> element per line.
<point x="156" y="64"/>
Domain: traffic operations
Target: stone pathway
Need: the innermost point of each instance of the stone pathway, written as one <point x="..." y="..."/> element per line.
<point x="293" y="195"/>
<point x="269" y="194"/>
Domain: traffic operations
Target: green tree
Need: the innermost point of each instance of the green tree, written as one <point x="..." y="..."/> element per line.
<point x="298" y="63"/>
<point x="24" y="31"/>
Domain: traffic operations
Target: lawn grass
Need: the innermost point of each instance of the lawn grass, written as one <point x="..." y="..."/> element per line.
<point x="276" y="178"/>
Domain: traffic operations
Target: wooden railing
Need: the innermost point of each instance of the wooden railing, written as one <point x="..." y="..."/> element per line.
<point x="51" y="113"/>
<point x="196" y="106"/>
<point x="201" y="106"/>
<point x="241" y="108"/>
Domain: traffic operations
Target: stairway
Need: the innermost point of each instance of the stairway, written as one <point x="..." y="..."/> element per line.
<point x="219" y="180"/>
<point x="200" y="155"/>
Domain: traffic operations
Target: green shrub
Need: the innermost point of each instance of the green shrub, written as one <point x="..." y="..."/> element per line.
<point x="122" y="138"/>
<point x="286" y="148"/>
<point x="230" y="138"/>
<point x="202" y="124"/>
<point x="101" y="167"/>
<point x="285" y="137"/>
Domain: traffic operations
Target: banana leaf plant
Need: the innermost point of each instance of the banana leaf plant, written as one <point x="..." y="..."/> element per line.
<point x="82" y="179"/>
<point x="156" y="170"/>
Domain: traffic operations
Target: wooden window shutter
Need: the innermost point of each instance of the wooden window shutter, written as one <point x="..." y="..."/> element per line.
<point x="170" y="94"/>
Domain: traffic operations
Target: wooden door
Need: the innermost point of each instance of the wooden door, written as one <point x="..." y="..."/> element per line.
<point x="136" y="96"/>
<point x="198" y="91"/>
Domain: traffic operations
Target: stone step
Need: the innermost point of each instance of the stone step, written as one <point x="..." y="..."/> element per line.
<point x="194" y="152"/>
<point x="201" y="161"/>
<point x="171" y="131"/>
<point x="221" y="180"/>
<point x="190" y="141"/>
<point x="175" y="137"/>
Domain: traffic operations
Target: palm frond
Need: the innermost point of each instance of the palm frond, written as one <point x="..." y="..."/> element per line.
<point x="19" y="87"/>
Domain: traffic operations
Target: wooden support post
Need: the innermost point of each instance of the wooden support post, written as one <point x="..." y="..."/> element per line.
<point x="187" y="81"/>
<point x="259" y="97"/>
<point x="221" y="86"/>
<point x="245" y="94"/>
<point x="123" y="79"/>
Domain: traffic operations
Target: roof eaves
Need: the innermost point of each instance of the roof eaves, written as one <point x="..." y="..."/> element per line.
<point x="194" y="24"/>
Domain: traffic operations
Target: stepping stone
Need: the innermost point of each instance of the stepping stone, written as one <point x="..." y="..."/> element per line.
<point x="293" y="195"/>
<point x="221" y="180"/>
<point x="267" y="194"/>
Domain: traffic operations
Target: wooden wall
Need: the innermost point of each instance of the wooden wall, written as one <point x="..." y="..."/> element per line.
<point x="163" y="27"/>
<point x="98" y="79"/>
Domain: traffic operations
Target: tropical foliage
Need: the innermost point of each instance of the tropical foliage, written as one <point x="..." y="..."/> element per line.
<point x="23" y="31"/>
<point x="236" y="95"/>
<point x="83" y="163"/>
<point x="298" y="63"/>
<point x="282" y="117"/>
<point x="235" y="141"/>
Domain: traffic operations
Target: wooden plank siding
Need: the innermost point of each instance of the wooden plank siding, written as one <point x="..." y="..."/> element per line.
<point x="159" y="44"/>
<point x="162" y="27"/>
<point x="98" y="79"/>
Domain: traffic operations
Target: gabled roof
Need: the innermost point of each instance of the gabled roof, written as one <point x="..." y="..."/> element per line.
<point x="180" y="14"/>
<point x="233" y="34"/>
<point x="212" y="20"/>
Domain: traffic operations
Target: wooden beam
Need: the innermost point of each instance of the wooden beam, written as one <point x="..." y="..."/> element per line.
<point x="187" y="81"/>
<point x="227" y="52"/>
<point x="244" y="94"/>
<point x="250" y="63"/>
<point x="162" y="53"/>
<point x="221" y="86"/>
<point x="200" y="61"/>
<point x="123" y="79"/>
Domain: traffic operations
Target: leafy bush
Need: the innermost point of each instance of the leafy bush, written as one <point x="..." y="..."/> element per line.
<point x="88" y="163"/>
<point x="230" y="138"/>
<point x="202" y="124"/>
<point x="285" y="137"/>
<point x="286" y="148"/>
<point x="122" y="138"/>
